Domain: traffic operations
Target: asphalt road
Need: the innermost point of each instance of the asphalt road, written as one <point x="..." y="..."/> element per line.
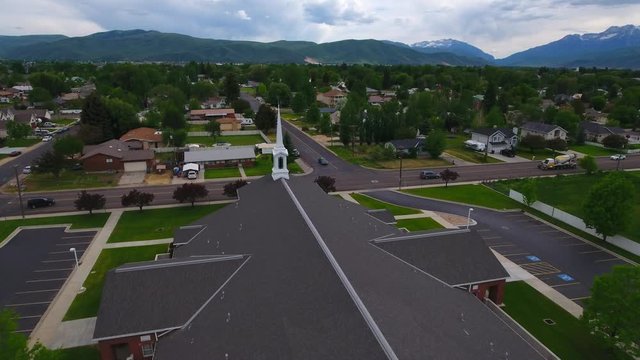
<point x="33" y="267"/>
<point x="561" y="260"/>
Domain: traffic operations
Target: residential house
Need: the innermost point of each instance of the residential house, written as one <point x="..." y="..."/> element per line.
<point x="547" y="131"/>
<point x="594" y="115"/>
<point x="210" y="114"/>
<point x="84" y="90"/>
<point x="231" y="123"/>
<point x="595" y="132"/>
<point x="5" y="116"/>
<point x="143" y="138"/>
<point x="379" y="99"/>
<point x="405" y="145"/>
<point x="216" y="102"/>
<point x="116" y="155"/>
<point x="332" y="97"/>
<point x="222" y="156"/>
<point x="496" y="138"/>
<point x="32" y="117"/>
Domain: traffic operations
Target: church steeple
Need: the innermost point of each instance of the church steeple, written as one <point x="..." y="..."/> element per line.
<point x="279" y="169"/>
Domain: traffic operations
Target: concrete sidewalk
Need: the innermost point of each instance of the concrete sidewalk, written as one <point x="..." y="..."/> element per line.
<point x="48" y="329"/>
<point x="137" y="243"/>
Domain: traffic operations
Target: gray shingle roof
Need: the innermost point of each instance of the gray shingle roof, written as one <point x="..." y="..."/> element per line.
<point x="407" y="143"/>
<point x="221" y="154"/>
<point x="539" y="127"/>
<point x="595" y="128"/>
<point x="117" y="149"/>
<point x="508" y="133"/>
<point x="159" y="295"/>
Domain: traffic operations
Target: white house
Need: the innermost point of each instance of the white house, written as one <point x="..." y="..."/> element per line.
<point x="547" y="131"/>
<point x="496" y="139"/>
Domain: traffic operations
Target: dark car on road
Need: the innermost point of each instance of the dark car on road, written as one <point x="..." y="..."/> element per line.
<point x="15" y="153"/>
<point x="322" y="161"/>
<point x="428" y="174"/>
<point x="508" y="152"/>
<point x="40" y="202"/>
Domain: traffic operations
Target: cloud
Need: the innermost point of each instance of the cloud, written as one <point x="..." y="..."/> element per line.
<point x="242" y="15"/>
<point x="336" y="12"/>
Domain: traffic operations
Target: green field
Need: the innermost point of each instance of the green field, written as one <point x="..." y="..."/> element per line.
<point x="568" y="193"/>
<point x="537" y="155"/>
<point x="593" y="150"/>
<point x="88" y="352"/>
<point x="87" y="303"/>
<point x="468" y="194"/>
<point x="372" y="203"/>
<point x="360" y="157"/>
<point x="264" y="164"/>
<point x="419" y="224"/>
<point x="234" y="140"/>
<point x="197" y="127"/>
<point x="70" y="179"/>
<point x="86" y="221"/>
<point x="64" y="122"/>
<point x="568" y="338"/>
<point x="227" y="172"/>
<point x="150" y="224"/>
<point x="22" y="142"/>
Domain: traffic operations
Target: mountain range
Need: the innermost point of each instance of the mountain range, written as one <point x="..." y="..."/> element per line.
<point x="617" y="47"/>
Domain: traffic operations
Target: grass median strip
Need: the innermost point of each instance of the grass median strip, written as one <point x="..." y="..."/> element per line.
<point x="468" y="194"/>
<point x="153" y="224"/>
<point x="77" y="222"/>
<point x="568" y="337"/>
<point x="87" y="303"/>
<point x="419" y="224"/>
<point x="372" y="203"/>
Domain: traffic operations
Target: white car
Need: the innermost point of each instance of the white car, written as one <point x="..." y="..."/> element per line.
<point x="192" y="175"/>
<point x="27" y="169"/>
<point x="47" y="138"/>
<point x="618" y="157"/>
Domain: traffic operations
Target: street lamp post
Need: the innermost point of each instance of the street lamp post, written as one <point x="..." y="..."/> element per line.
<point x="469" y="217"/>
<point x="75" y="255"/>
<point x="15" y="170"/>
<point x="400" y="155"/>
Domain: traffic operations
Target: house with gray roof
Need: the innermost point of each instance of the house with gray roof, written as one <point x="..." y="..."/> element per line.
<point x="221" y="156"/>
<point x="288" y="272"/>
<point x="405" y="145"/>
<point x="116" y="155"/>
<point x="496" y="139"/>
<point x="596" y="132"/>
<point x="547" y="131"/>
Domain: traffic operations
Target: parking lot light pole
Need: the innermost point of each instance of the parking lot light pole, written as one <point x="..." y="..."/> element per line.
<point x="469" y="217"/>
<point x="400" y="175"/>
<point x="75" y="255"/>
<point x="15" y="170"/>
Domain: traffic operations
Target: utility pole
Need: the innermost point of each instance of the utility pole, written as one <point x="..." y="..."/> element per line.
<point x="400" y="154"/>
<point x="15" y="170"/>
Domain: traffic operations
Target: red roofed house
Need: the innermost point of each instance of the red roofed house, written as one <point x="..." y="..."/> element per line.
<point x="115" y="155"/>
<point x="331" y="97"/>
<point x="143" y="138"/>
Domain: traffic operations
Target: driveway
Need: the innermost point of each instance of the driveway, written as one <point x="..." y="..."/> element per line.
<point x="33" y="267"/>
<point x="563" y="261"/>
<point x="132" y="178"/>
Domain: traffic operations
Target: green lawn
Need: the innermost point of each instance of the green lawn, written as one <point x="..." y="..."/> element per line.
<point x="264" y="164"/>
<point x="455" y="147"/>
<point x="197" y="127"/>
<point x="234" y="140"/>
<point x="537" y="155"/>
<point x="69" y="179"/>
<point x="468" y="194"/>
<point x="227" y="172"/>
<point x="152" y="224"/>
<point x="85" y="221"/>
<point x="249" y="90"/>
<point x="593" y="150"/>
<point x="2" y="156"/>
<point x="87" y="303"/>
<point x="64" y="122"/>
<point x="372" y="203"/>
<point x="568" y="193"/>
<point x="568" y="338"/>
<point x="22" y="142"/>
<point x="88" y="352"/>
<point x="360" y="157"/>
<point x="419" y="224"/>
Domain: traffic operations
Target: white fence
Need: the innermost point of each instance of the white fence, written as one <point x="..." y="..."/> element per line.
<point x="617" y="240"/>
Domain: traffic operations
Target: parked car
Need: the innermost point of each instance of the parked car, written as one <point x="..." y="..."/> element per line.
<point x="295" y="153"/>
<point x="322" y="161"/>
<point x="428" y="174"/>
<point x="48" y="124"/>
<point x="508" y="152"/>
<point x="192" y="175"/>
<point x="27" y="169"/>
<point x="618" y="157"/>
<point x="15" y="153"/>
<point x="40" y="202"/>
<point x="76" y="166"/>
<point x="47" y="138"/>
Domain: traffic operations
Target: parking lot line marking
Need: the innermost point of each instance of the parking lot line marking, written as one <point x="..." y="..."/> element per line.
<point x="35" y="291"/>
<point x="590" y="251"/>
<point x="44" y="280"/>
<point x="74" y="244"/>
<point x="54" y="261"/>
<point x="76" y="236"/>
<point x="548" y="231"/>
<point x="491" y="237"/>
<point x="564" y="237"/>
<point x="580" y="298"/>
<point x="575" y="244"/>
<point x="63" y="252"/>
<point x="568" y="284"/>
<point x="33" y="303"/>
<point x="612" y="259"/>
<point x="27" y="330"/>
<point x="49" y="270"/>
<point x="30" y="317"/>
<point x="501" y="245"/>
<point x="516" y="254"/>
<point x="483" y="230"/>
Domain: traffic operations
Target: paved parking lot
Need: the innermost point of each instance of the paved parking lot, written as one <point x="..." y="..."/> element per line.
<point x="33" y="267"/>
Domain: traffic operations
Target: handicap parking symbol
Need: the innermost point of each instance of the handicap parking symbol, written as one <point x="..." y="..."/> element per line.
<point x="565" y="277"/>
<point x="533" y="258"/>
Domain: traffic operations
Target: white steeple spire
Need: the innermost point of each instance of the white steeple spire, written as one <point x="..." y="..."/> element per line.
<point x="279" y="169"/>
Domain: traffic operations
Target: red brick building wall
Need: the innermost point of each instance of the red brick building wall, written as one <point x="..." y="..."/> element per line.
<point x="119" y="349"/>
<point x="101" y="162"/>
<point x="493" y="290"/>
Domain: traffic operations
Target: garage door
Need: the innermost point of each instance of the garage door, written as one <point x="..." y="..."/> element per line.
<point x="135" y="166"/>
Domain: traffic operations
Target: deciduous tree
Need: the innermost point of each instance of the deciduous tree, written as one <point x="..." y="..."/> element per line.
<point x="435" y="143"/>
<point x="14" y="346"/>
<point x="50" y="162"/>
<point x="213" y="127"/>
<point x="588" y="163"/>
<point x="612" y="312"/>
<point x="533" y="142"/>
<point x="16" y="130"/>
<point x="137" y="198"/>
<point x="448" y="175"/>
<point x="615" y="141"/>
<point x="557" y="144"/>
<point x="609" y="205"/>
<point x="265" y="118"/>
<point x="529" y="191"/>
<point x="190" y="192"/>
<point x="90" y="202"/>
<point x="68" y="146"/>
<point x="231" y="189"/>
<point x="326" y="183"/>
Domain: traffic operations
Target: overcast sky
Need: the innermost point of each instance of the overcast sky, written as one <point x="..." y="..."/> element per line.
<point x="499" y="27"/>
